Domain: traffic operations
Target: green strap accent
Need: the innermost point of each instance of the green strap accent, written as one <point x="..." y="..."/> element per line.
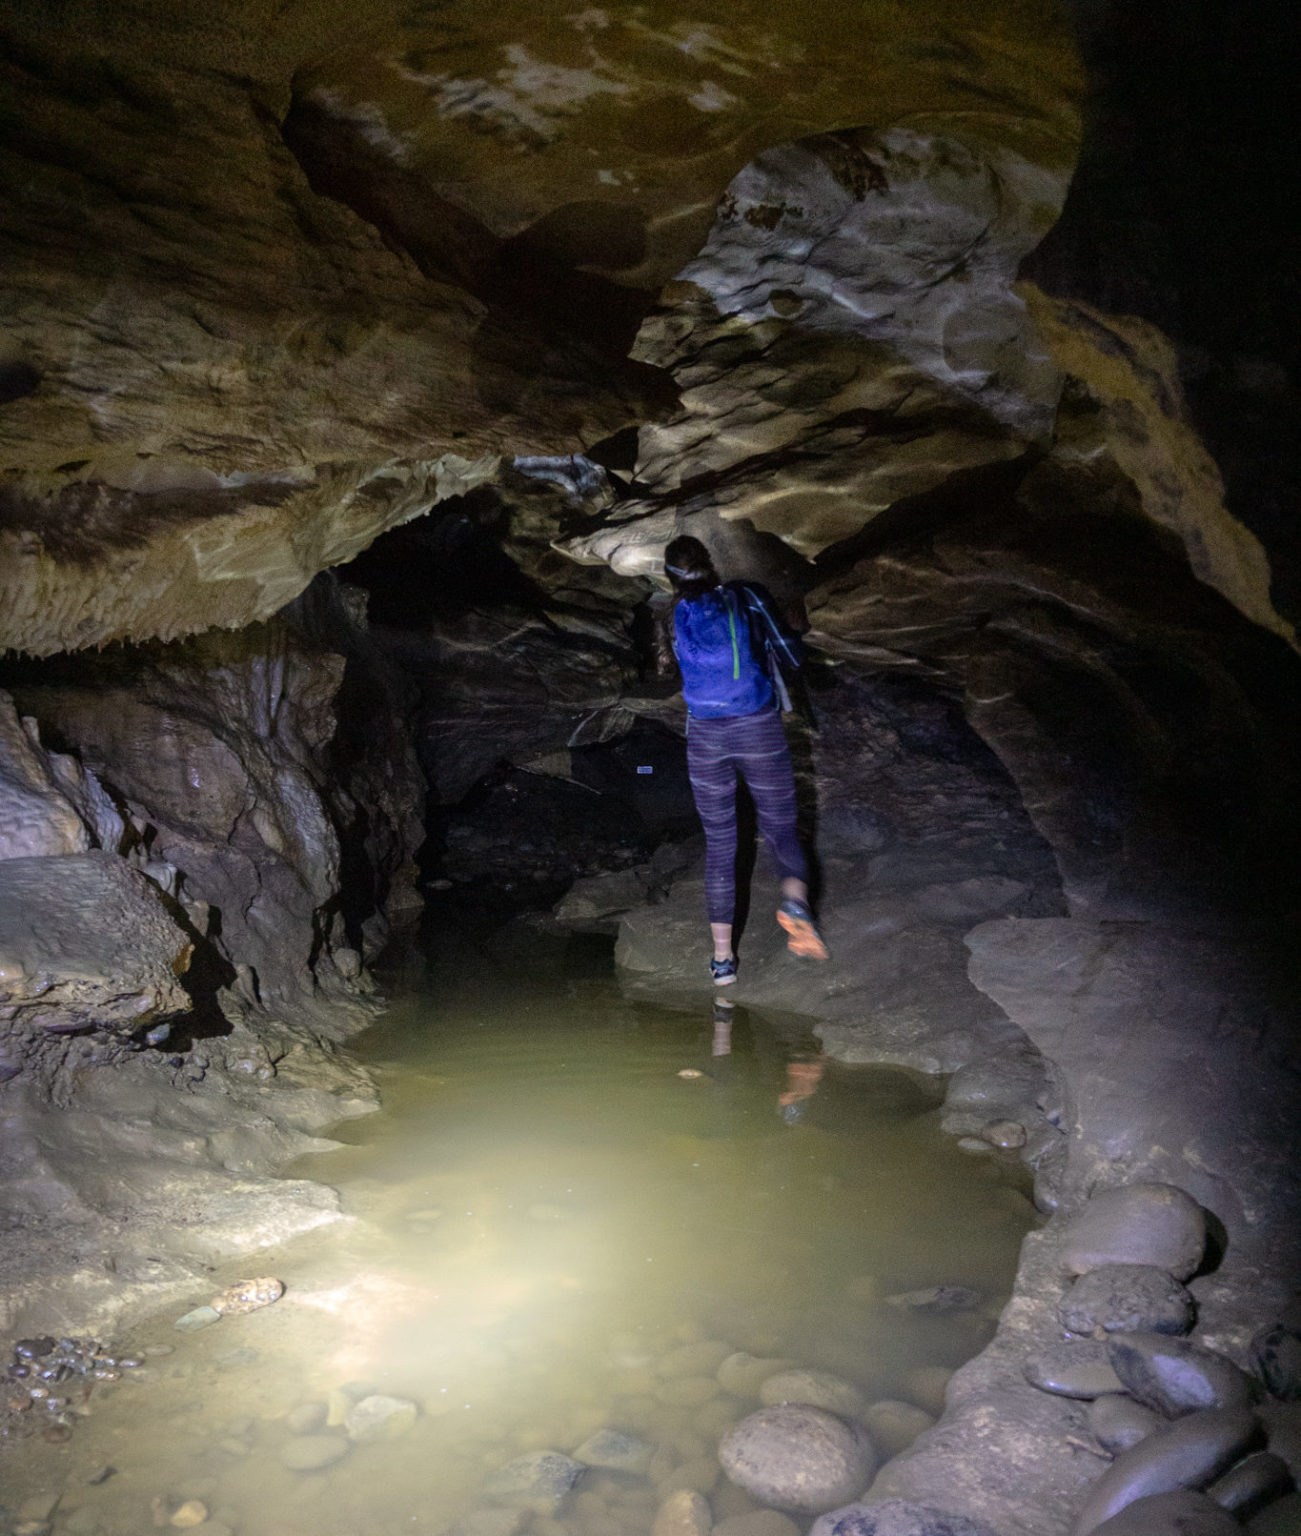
<point x="736" y="654"/>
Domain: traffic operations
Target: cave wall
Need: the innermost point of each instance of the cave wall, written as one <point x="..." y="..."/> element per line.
<point x="254" y="795"/>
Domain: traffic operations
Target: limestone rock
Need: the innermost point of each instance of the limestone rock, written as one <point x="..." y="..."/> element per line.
<point x="1153" y="1224"/>
<point x="896" y="1517"/>
<point x="217" y="746"/>
<point x="1127" y="1298"/>
<point x="798" y="1459"/>
<point x="1188" y="1453"/>
<point x="1175" y="1375"/>
<point x="85" y="946"/>
<point x="49" y="802"/>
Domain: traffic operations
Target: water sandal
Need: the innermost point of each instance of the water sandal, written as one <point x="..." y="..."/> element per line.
<point x="803" y="938"/>
<point x="723" y="971"/>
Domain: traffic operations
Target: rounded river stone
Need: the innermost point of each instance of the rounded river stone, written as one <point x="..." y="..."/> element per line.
<point x="615" y="1450"/>
<point x="1116" y="1421"/>
<point x="798" y="1458"/>
<point x="309" y="1453"/>
<point x="1252" y="1484"/>
<point x="378" y="1417"/>
<point x="742" y="1375"/>
<point x="1276" y="1354"/>
<point x="1172" y="1514"/>
<point x="894" y="1425"/>
<point x="819" y="1389"/>
<point x="1153" y="1224"/>
<point x="1175" y="1375"/>
<point x="1072" y="1370"/>
<point x="683" y="1513"/>
<point x="541" y="1478"/>
<point x="1127" y="1298"/>
<point x="1186" y="1454"/>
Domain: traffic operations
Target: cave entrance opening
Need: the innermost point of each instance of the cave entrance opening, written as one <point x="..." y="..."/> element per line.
<point x="582" y="1225"/>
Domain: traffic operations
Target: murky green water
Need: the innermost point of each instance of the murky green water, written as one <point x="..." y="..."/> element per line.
<point x="546" y="1211"/>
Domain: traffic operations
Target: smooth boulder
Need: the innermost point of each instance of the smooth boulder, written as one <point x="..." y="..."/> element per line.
<point x="1175" y="1375"/>
<point x="1072" y="1370"/>
<point x="1186" y="1454"/>
<point x="1116" y="1422"/>
<point x="1252" y="1484"/>
<point x="797" y="1458"/>
<point x="1155" y="1224"/>
<point x="1171" y="1514"/>
<point x="1127" y="1298"/>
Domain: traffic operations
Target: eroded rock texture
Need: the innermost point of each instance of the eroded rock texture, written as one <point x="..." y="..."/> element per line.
<point x="246" y="798"/>
<point x="274" y="287"/>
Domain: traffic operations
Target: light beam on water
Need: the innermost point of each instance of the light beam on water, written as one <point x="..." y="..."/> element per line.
<point x="541" y="1218"/>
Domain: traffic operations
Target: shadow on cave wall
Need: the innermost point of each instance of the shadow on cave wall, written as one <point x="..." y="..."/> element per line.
<point x="1184" y="210"/>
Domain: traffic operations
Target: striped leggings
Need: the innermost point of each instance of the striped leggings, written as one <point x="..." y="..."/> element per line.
<point x="755" y="747"/>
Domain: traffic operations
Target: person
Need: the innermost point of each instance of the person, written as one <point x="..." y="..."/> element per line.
<point x="721" y="635"/>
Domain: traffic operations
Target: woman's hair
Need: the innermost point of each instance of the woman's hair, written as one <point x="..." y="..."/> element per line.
<point x="688" y="566"/>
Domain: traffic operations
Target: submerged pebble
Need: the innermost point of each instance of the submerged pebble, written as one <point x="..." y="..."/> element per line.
<point x="247" y="1296"/>
<point x="310" y="1453"/>
<point x="199" y="1317"/>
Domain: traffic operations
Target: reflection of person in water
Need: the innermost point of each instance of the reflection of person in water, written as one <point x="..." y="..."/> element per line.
<point x="805" y="1061"/>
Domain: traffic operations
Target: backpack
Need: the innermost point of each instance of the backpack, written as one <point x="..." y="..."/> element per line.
<point x="722" y="675"/>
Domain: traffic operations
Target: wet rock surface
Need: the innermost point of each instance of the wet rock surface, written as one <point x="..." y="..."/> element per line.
<point x="1177" y="1376"/>
<point x="1125" y="1298"/>
<point x="1189" y="1453"/>
<point x="1171" y="1514"/>
<point x="798" y="1458"/>
<point x="1156" y="1224"/>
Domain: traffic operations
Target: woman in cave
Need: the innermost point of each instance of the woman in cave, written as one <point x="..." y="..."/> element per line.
<point x="730" y="643"/>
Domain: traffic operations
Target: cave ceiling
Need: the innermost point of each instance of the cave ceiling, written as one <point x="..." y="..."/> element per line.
<point x="280" y="278"/>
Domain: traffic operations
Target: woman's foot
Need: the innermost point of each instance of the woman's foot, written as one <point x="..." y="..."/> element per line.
<point x="723" y="971"/>
<point x="803" y="938"/>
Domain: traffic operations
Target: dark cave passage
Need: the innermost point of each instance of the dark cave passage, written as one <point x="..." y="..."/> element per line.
<point x="380" y="1147"/>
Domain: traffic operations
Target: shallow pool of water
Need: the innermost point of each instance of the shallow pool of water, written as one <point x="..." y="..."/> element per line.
<point x="563" y="1190"/>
